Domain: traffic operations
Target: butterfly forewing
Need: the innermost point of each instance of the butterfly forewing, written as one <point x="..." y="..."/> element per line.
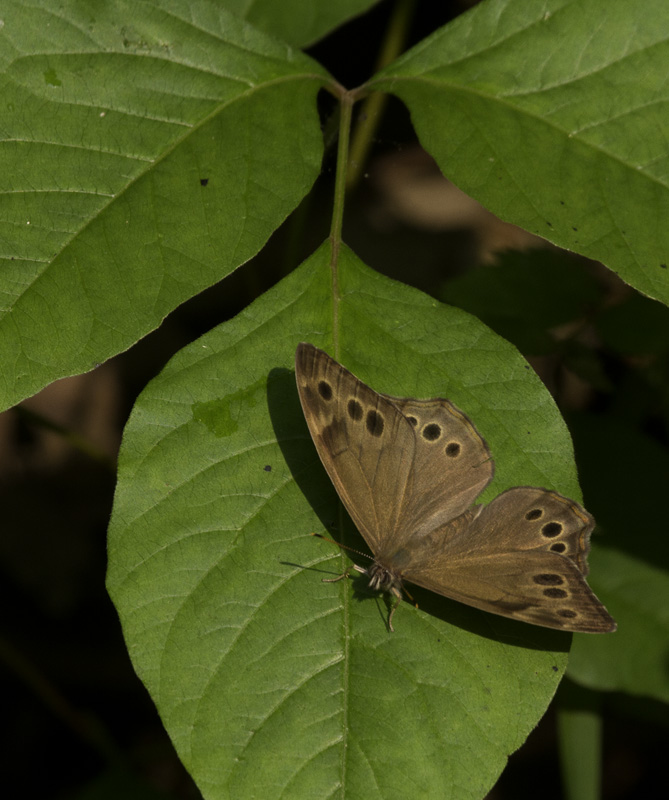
<point x="363" y="440"/>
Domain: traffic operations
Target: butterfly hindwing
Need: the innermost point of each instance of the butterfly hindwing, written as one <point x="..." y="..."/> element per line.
<point x="451" y="467"/>
<point x="543" y="589"/>
<point x="522" y="556"/>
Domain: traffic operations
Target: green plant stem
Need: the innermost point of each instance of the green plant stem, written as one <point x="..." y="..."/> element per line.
<point x="579" y="727"/>
<point x="347" y="100"/>
<point x="373" y="106"/>
<point x="84" y="724"/>
<point x="74" y="439"/>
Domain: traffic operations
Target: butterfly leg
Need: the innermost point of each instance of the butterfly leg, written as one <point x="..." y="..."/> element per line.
<point x="395" y="592"/>
<point x="345" y="574"/>
<point x="338" y="578"/>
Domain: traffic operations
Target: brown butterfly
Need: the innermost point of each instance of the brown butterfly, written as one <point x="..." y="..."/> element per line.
<point x="408" y="472"/>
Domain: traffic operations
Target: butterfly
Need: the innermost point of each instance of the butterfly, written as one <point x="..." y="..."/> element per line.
<point x="409" y="471"/>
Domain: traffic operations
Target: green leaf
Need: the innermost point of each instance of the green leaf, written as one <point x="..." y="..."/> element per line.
<point x="524" y="294"/>
<point x="554" y="116"/>
<point x="298" y="22"/>
<point x="623" y="473"/>
<point x="269" y="681"/>
<point x="637" y="326"/>
<point x="149" y="150"/>
<point x="634" y="659"/>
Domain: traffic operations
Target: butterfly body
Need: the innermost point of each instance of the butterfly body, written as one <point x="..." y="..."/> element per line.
<point x="383" y="578"/>
<point x="408" y="472"/>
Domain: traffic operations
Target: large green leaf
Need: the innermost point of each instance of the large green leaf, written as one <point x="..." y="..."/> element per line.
<point x="623" y="473"/>
<point x="148" y="150"/>
<point x="269" y="681"/>
<point x="554" y="115"/>
<point x="526" y="294"/>
<point x="635" y="659"/>
<point x="299" y="22"/>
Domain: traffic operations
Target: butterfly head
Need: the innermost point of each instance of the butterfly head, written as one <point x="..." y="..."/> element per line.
<point x="382" y="579"/>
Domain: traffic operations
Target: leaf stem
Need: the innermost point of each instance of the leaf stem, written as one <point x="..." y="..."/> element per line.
<point x="580" y="741"/>
<point x="74" y="439"/>
<point x="83" y="723"/>
<point x="347" y="100"/>
<point x="372" y="109"/>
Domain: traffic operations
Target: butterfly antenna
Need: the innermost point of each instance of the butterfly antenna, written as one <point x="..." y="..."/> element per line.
<point x="343" y="546"/>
